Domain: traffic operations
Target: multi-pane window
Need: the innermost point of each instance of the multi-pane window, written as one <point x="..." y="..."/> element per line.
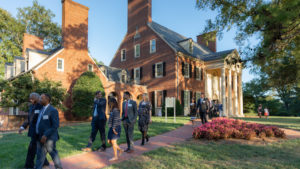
<point x="186" y="98"/>
<point x="90" y="67"/>
<point x="137" y="50"/>
<point x="159" y="70"/>
<point x="60" y="64"/>
<point x="152" y="46"/>
<point x="137" y="73"/>
<point x="123" y="78"/>
<point x="186" y="70"/>
<point x="123" y="55"/>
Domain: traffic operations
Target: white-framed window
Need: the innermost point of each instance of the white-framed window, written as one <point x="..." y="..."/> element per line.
<point x="159" y="99"/>
<point x="123" y="78"/>
<point x="90" y="67"/>
<point x="186" y="70"/>
<point x="123" y="55"/>
<point x="153" y="46"/>
<point x="137" y="74"/>
<point x="187" y="98"/>
<point x="159" y="70"/>
<point x="198" y="73"/>
<point x="137" y="50"/>
<point x="60" y="64"/>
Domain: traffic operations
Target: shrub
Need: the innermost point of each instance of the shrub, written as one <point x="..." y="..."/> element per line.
<point x="223" y="128"/>
<point x="83" y="94"/>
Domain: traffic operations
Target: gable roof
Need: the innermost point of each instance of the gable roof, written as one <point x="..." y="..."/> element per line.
<point x="112" y="73"/>
<point x="173" y="39"/>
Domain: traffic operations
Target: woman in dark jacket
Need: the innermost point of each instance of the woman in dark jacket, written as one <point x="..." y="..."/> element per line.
<point x="144" y="117"/>
<point x="114" y="125"/>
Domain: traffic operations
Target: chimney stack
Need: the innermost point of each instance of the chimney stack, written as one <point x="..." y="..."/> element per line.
<point x="208" y="40"/>
<point x="74" y="25"/>
<point x="139" y="14"/>
<point x="32" y="42"/>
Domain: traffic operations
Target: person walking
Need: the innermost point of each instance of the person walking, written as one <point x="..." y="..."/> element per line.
<point x="266" y="110"/>
<point x="129" y="116"/>
<point x="144" y="112"/>
<point x="193" y="109"/>
<point x="33" y="113"/>
<point x="203" y="107"/>
<point x="114" y="125"/>
<point x="98" y="122"/>
<point x="260" y="110"/>
<point x="221" y="110"/>
<point x="47" y="133"/>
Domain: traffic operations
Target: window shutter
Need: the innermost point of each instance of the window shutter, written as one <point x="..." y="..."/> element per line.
<point x="153" y="98"/>
<point x="195" y="72"/>
<point x="164" y="95"/>
<point x="132" y="74"/>
<point x="191" y="96"/>
<point x="182" y="68"/>
<point x="191" y="73"/>
<point x="201" y="73"/>
<point x="141" y="73"/>
<point x="164" y="69"/>
<point x="153" y="70"/>
<point x="182" y="98"/>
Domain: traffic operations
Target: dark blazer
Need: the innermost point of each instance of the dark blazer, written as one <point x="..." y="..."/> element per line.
<point x="49" y="124"/>
<point x="131" y="112"/>
<point x="33" y="114"/>
<point x="204" y="105"/>
<point x="101" y="109"/>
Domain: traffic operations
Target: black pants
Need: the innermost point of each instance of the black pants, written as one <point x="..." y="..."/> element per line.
<point x="98" y="125"/>
<point x="203" y="116"/>
<point x="31" y="154"/>
<point x="129" y="128"/>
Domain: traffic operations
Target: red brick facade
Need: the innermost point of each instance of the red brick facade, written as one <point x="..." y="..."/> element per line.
<point x="32" y="42"/>
<point x="139" y="14"/>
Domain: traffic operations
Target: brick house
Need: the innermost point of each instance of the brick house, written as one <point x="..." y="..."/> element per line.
<point x="171" y="65"/>
<point x="66" y="63"/>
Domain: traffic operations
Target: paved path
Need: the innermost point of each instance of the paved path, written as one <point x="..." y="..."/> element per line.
<point x="94" y="160"/>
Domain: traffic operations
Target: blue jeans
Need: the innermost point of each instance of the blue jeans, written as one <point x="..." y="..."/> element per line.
<point x="43" y="149"/>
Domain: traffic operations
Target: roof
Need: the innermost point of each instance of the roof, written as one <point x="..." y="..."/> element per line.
<point x="173" y="39"/>
<point x="43" y="51"/>
<point x="9" y="64"/>
<point x="19" y="58"/>
<point x="112" y="73"/>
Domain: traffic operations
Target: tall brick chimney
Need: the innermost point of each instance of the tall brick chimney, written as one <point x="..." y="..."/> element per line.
<point x="139" y="14"/>
<point x="74" y="25"/>
<point x="208" y="40"/>
<point x="32" y="42"/>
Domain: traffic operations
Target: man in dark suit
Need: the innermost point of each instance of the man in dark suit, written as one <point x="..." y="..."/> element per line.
<point x="203" y="107"/>
<point x="33" y="114"/>
<point x="129" y="116"/>
<point x="47" y="133"/>
<point x="98" y="122"/>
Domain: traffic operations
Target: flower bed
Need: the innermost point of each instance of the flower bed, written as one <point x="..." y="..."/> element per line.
<point x="223" y="128"/>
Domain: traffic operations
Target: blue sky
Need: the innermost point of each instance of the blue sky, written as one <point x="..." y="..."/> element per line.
<point x="108" y="22"/>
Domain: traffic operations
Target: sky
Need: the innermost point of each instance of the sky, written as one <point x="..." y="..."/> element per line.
<point x="108" y="23"/>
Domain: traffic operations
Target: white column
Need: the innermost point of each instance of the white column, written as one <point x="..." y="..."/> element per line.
<point x="241" y="113"/>
<point x="223" y="94"/>
<point x="230" y="114"/>
<point x="235" y="99"/>
<point x="205" y="82"/>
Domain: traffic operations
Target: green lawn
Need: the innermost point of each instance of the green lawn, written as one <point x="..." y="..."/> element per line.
<point x="221" y="154"/>
<point x="284" y="122"/>
<point x="72" y="138"/>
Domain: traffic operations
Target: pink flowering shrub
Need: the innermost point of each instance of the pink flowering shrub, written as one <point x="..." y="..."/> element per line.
<point x="223" y="128"/>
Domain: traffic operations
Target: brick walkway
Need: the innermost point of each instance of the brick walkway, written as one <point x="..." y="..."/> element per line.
<point x="94" y="160"/>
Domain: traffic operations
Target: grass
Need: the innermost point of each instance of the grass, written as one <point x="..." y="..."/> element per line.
<point x="284" y="122"/>
<point x="222" y="154"/>
<point x="72" y="138"/>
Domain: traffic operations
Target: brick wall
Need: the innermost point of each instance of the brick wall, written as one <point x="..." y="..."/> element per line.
<point x="32" y="42"/>
<point x="8" y="122"/>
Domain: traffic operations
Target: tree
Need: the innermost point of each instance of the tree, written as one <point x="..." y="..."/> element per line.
<point x="35" y="20"/>
<point x="98" y="62"/>
<point x="83" y="93"/>
<point x="276" y="23"/>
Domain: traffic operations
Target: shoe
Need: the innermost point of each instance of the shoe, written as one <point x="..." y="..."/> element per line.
<point x="101" y="149"/>
<point x="113" y="159"/>
<point x="127" y="150"/>
<point x="147" y="138"/>
<point x="87" y="149"/>
<point x="130" y="151"/>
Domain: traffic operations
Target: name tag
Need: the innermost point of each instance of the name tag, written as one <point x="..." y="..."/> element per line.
<point x="36" y="111"/>
<point x="45" y="117"/>
<point x="129" y="105"/>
